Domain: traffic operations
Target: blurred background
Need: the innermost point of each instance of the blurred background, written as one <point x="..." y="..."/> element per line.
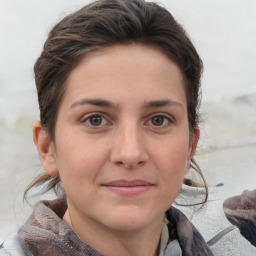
<point x="224" y="32"/>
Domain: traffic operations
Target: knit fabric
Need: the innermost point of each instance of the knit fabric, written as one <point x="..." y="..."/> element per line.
<point x="221" y="235"/>
<point x="45" y="233"/>
<point x="193" y="230"/>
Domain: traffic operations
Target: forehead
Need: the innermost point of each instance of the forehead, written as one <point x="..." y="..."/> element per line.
<point x="126" y="71"/>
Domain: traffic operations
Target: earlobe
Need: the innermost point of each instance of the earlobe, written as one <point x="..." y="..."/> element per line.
<point x="45" y="148"/>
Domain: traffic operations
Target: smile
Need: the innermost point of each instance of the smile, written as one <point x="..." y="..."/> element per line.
<point x="128" y="188"/>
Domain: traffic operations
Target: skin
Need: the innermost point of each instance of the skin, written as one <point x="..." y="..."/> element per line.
<point x="122" y="147"/>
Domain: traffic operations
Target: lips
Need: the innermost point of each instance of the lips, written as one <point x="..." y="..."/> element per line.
<point x="126" y="183"/>
<point x="128" y="188"/>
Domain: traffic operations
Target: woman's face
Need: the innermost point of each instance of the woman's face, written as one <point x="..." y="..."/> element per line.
<point x="122" y="144"/>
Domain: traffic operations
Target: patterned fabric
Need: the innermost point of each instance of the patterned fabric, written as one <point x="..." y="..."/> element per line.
<point x="190" y="240"/>
<point x="168" y="247"/>
<point x="46" y="234"/>
<point x="241" y="212"/>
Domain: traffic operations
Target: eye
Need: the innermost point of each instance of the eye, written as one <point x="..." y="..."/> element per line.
<point x="95" y="120"/>
<point x="160" y="121"/>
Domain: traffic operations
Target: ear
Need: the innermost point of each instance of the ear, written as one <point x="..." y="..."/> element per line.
<point x="45" y="148"/>
<point x="192" y="147"/>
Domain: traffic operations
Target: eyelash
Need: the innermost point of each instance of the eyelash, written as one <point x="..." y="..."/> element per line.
<point x="167" y="120"/>
<point x="86" y="120"/>
<point x="92" y="115"/>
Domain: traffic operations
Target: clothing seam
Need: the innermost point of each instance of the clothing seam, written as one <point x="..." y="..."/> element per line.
<point x="220" y="235"/>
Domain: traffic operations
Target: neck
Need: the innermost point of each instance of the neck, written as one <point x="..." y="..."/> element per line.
<point x="141" y="242"/>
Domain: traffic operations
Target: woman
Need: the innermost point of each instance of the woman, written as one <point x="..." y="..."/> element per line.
<point x="118" y="89"/>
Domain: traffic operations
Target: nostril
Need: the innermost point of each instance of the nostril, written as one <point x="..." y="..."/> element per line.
<point x="129" y="165"/>
<point x="119" y="163"/>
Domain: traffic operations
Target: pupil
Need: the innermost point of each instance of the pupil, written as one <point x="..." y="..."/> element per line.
<point x="95" y="120"/>
<point x="158" y="120"/>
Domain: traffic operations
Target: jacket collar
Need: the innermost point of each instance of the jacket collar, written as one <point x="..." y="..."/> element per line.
<point x="190" y="240"/>
<point x="45" y="233"/>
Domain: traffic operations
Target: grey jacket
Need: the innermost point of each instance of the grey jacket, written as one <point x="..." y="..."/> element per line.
<point x="220" y="233"/>
<point x="199" y="231"/>
<point x="13" y="246"/>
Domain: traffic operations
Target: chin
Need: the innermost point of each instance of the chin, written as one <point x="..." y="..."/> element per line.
<point x="131" y="221"/>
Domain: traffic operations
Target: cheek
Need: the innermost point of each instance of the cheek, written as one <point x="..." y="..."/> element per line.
<point x="171" y="156"/>
<point x="170" y="162"/>
<point x="80" y="159"/>
<point x="171" y="167"/>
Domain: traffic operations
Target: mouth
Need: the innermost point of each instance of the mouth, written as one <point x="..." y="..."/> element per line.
<point x="128" y="187"/>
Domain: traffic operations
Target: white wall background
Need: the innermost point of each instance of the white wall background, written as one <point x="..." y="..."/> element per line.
<point x="224" y="33"/>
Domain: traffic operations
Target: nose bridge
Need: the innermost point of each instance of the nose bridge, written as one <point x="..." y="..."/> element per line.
<point x="130" y="138"/>
<point x="129" y="148"/>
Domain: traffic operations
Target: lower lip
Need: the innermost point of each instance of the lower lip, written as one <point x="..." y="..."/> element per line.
<point x="129" y="191"/>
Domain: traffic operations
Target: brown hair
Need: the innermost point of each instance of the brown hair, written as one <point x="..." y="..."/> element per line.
<point x="102" y="24"/>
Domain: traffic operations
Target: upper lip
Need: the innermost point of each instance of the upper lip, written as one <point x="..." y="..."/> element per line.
<point x="128" y="183"/>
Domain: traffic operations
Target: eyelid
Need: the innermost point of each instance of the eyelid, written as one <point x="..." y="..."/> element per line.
<point x="166" y="116"/>
<point x="104" y="116"/>
<point x="92" y="114"/>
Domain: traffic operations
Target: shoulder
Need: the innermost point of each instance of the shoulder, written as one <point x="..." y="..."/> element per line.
<point x="13" y="246"/>
<point x="221" y="235"/>
<point x="241" y="211"/>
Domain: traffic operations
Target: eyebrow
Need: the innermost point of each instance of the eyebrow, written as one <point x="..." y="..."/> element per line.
<point x="106" y="103"/>
<point x="94" y="102"/>
<point x="163" y="103"/>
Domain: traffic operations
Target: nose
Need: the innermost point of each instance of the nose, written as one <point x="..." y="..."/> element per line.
<point x="129" y="149"/>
